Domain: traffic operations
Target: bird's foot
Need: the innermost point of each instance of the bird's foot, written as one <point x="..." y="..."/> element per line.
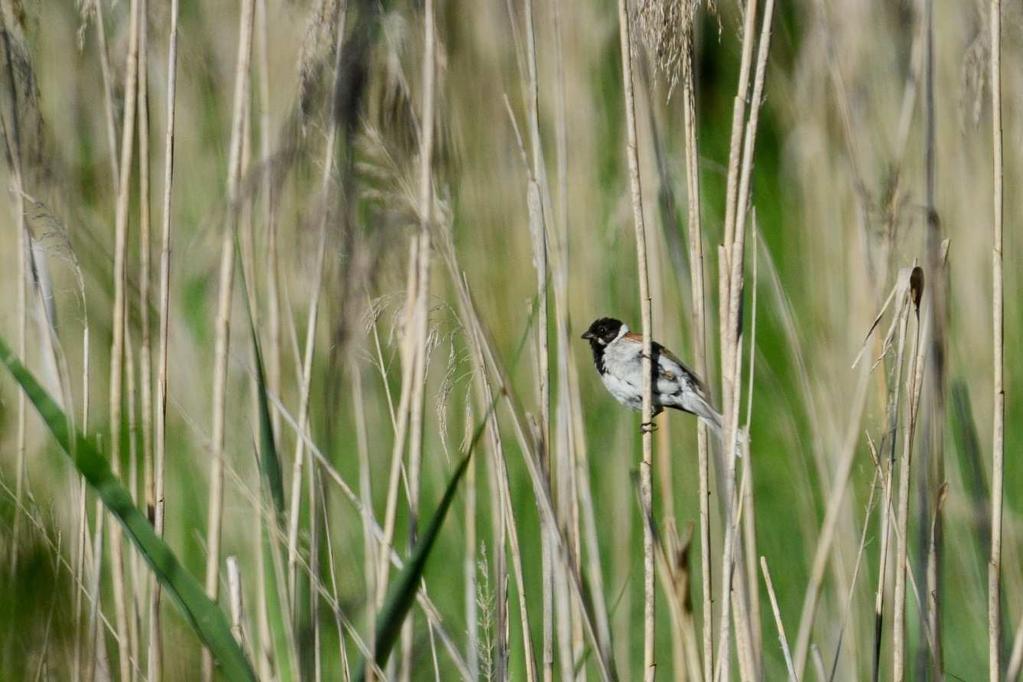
<point x="648" y="427"/>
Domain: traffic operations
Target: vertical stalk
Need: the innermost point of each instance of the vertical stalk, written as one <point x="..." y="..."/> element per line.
<point x="998" y="340"/>
<point x="538" y="230"/>
<point x="915" y="379"/>
<point x="421" y="311"/>
<point x="119" y="323"/>
<point x="160" y="421"/>
<point x="646" y="466"/>
<point x="223" y="323"/>
<point x="731" y="286"/>
<point x="695" y="230"/>
<point x="310" y="338"/>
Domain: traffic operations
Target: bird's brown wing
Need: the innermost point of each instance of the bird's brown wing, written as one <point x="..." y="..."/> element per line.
<point x="658" y="349"/>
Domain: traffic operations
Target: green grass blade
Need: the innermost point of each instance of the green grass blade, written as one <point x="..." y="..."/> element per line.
<point x="269" y="460"/>
<point x="204" y="617"/>
<point x="271" y="475"/>
<point x="406" y="584"/>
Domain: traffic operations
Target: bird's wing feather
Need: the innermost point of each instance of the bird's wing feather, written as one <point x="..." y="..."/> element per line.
<point x="668" y="364"/>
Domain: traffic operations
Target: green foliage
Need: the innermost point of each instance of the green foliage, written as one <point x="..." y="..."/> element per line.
<point x="205" y="618"/>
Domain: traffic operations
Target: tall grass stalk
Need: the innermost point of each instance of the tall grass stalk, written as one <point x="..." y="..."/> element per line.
<point x="223" y="320"/>
<point x="119" y="316"/>
<point x="913" y="390"/>
<point x="155" y="658"/>
<point x="695" y="230"/>
<point x="998" y="343"/>
<point x="646" y="465"/>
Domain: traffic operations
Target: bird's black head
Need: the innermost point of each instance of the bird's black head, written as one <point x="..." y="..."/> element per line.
<point x="603" y="331"/>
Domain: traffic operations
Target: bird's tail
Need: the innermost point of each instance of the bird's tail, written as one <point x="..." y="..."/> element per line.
<point x="714" y="421"/>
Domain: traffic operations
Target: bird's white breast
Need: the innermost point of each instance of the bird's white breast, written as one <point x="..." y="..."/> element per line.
<point x="623" y="375"/>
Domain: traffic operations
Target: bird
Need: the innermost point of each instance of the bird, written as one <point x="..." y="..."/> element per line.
<point x="618" y="355"/>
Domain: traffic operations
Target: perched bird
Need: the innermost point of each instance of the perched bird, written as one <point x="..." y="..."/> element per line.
<point x="618" y="355"/>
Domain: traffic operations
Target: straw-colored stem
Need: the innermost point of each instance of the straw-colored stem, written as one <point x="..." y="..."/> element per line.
<point x="886" y="516"/>
<point x="915" y="378"/>
<point x="777" y="619"/>
<point x="146" y="583"/>
<point x="119" y="321"/>
<point x="538" y="232"/>
<point x="110" y="123"/>
<point x="145" y="336"/>
<point x="234" y="591"/>
<point x="731" y="296"/>
<point x="695" y="230"/>
<point x="421" y="310"/>
<point x="223" y="321"/>
<point x="12" y="135"/>
<point x="646" y="465"/>
<point x="272" y="352"/>
<point x="310" y="338"/>
<point x="155" y="660"/>
<point x="998" y="342"/>
<point x="829" y="526"/>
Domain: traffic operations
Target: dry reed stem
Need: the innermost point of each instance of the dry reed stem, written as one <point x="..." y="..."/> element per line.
<point x="695" y="230"/>
<point x="594" y="570"/>
<point x="144" y="278"/>
<point x="569" y="418"/>
<point x="541" y="491"/>
<point x="371" y="560"/>
<point x="504" y="532"/>
<point x="886" y="517"/>
<point x="728" y="333"/>
<point x="155" y="661"/>
<point x="777" y="619"/>
<point x="340" y="621"/>
<point x="303" y="405"/>
<point x="1015" y="665"/>
<point x="878" y="473"/>
<point x="134" y="587"/>
<point x="278" y="536"/>
<point x="223" y="321"/>
<point x="832" y="514"/>
<point x="538" y="233"/>
<point x="119" y="324"/>
<point x="12" y="139"/>
<point x="731" y="294"/>
<point x="145" y="605"/>
<point x="273" y="349"/>
<point x="82" y="546"/>
<point x="378" y="532"/>
<point x="749" y="527"/>
<point x="932" y="474"/>
<point x="108" y="98"/>
<point x="306" y="380"/>
<point x="998" y="342"/>
<point x="310" y="338"/>
<point x="913" y="390"/>
<point x="234" y="590"/>
<point x="421" y="310"/>
<point x="97" y="651"/>
<point x="646" y="465"/>
<point x="469" y="567"/>
<point x="408" y="358"/>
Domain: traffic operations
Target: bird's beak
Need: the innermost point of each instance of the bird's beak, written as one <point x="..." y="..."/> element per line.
<point x="587" y="334"/>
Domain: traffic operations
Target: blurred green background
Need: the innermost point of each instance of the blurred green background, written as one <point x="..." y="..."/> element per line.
<point x="839" y="203"/>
